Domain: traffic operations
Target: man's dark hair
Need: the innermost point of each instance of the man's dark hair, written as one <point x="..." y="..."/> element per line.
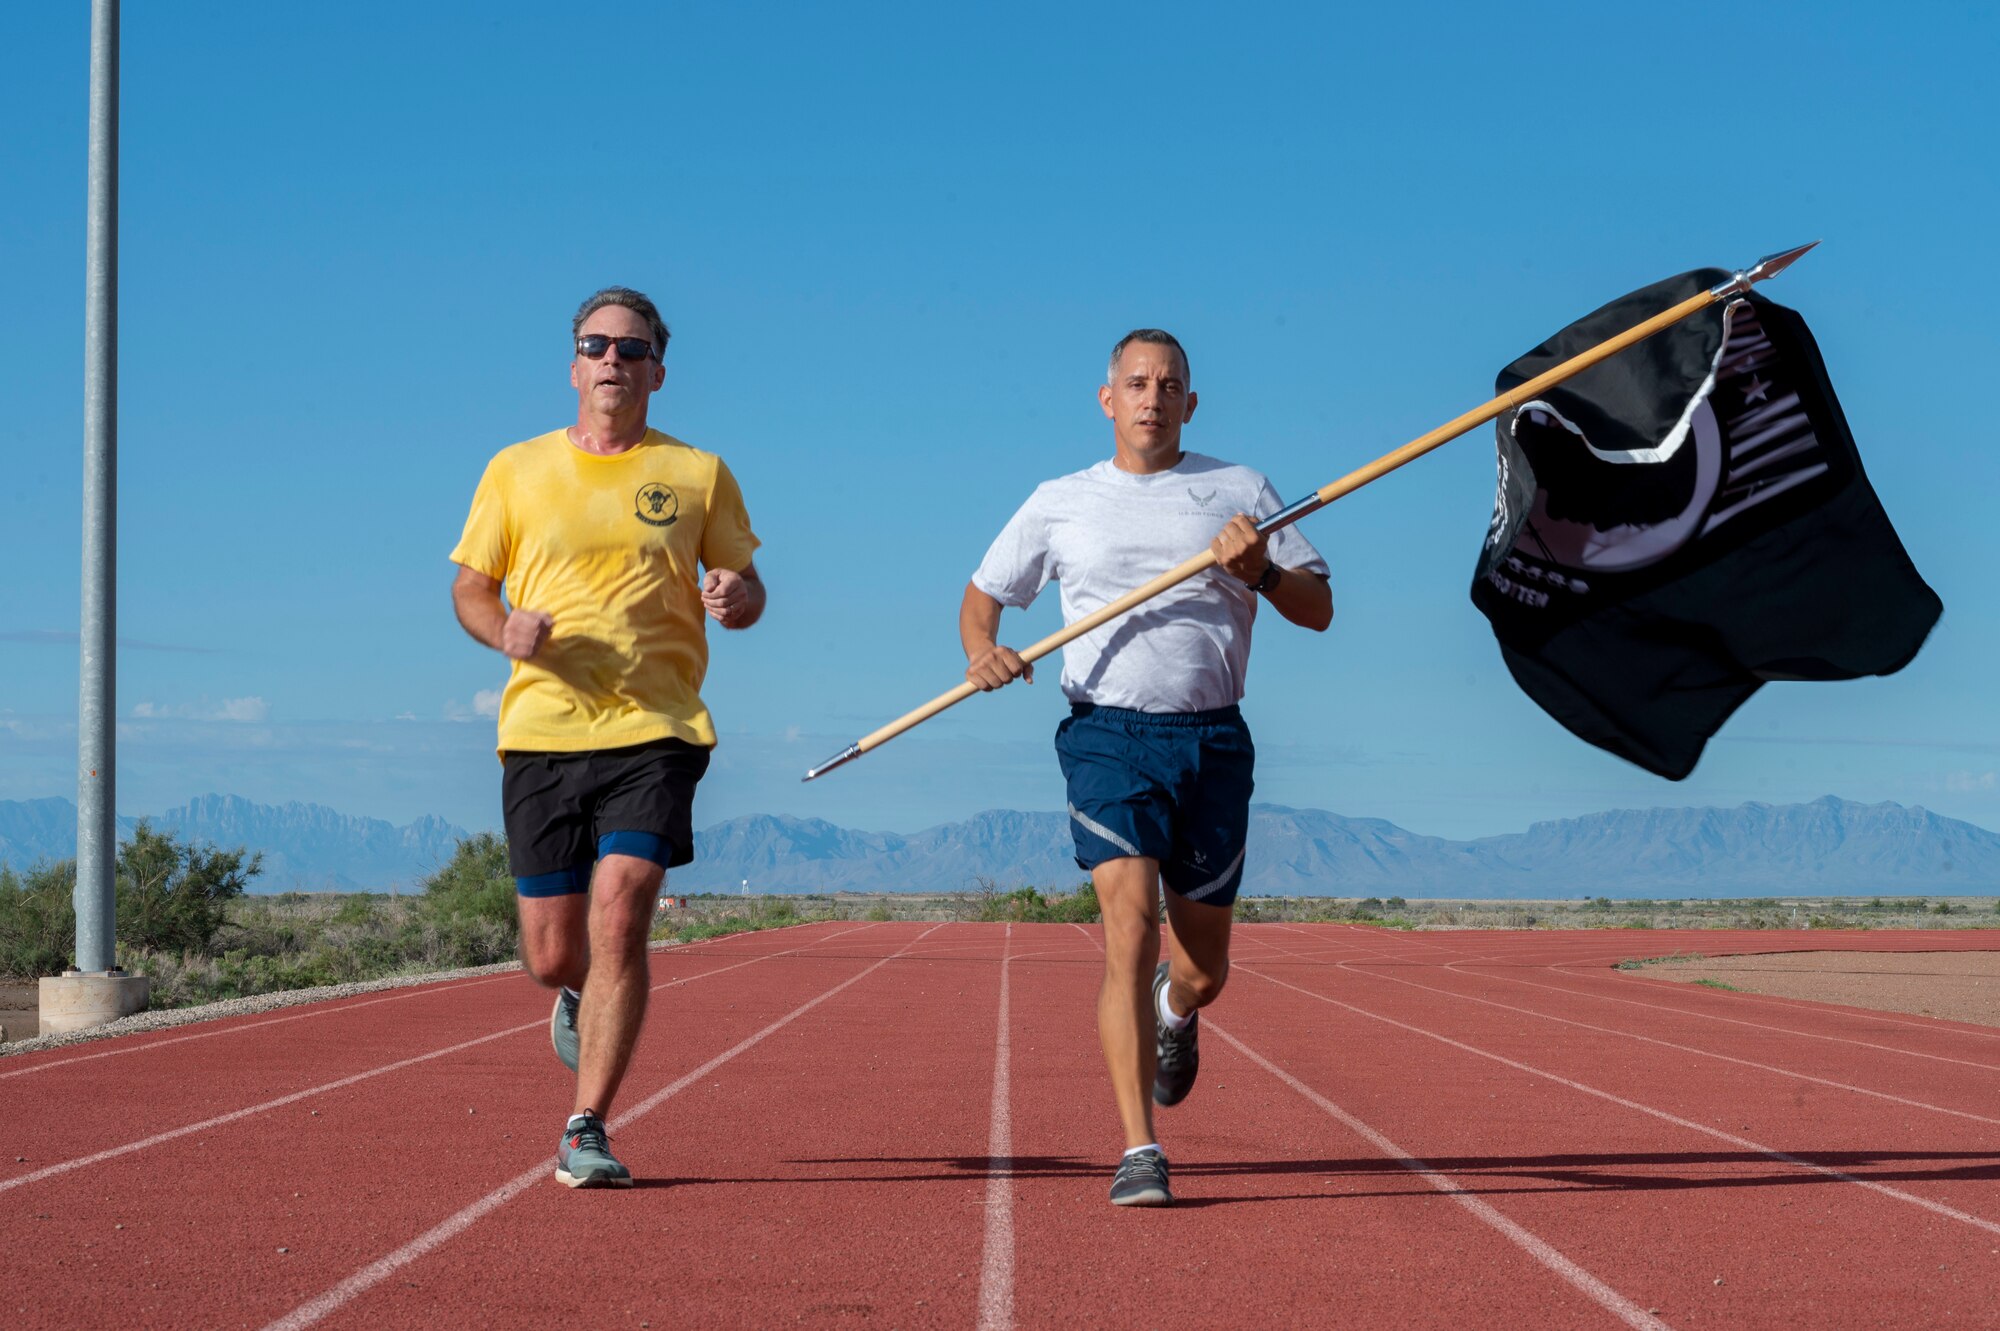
<point x="634" y="301"/>
<point x="1159" y="337"/>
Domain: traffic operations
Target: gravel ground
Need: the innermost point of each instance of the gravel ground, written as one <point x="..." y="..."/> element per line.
<point x="240" y="1007"/>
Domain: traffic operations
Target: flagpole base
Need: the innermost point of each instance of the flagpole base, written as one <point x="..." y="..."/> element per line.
<point x="79" y="1000"/>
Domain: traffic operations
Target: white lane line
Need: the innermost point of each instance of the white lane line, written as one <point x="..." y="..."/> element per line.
<point x="173" y="1134"/>
<point x="1938" y="1208"/>
<point x="1684" y="1048"/>
<point x="328" y="1007"/>
<point x="1679" y="1011"/>
<point x="1582" y="1280"/>
<point x="376" y="1272"/>
<point x="1933" y="1025"/>
<point x="1377" y="974"/>
<point x="996" y="1270"/>
<point x="1592" y="1288"/>
<point x="414" y="991"/>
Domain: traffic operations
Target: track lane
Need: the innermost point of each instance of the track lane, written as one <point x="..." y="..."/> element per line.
<point x="857" y="1149"/>
<point x="205" y="1216"/>
<point x="1619" y="1181"/>
<point x="274" y="1074"/>
<point x="783" y="1214"/>
<point x="1268" y="1230"/>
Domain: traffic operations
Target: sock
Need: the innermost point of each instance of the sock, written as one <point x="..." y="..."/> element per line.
<point x="1174" y="1020"/>
<point x="575" y="1119"/>
<point x="577" y="994"/>
<point x="1131" y="1151"/>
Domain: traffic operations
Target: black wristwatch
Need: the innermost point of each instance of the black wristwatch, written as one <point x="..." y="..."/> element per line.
<point x="1268" y="578"/>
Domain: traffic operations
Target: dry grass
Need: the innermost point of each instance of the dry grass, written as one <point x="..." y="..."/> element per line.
<point x="1439" y="913"/>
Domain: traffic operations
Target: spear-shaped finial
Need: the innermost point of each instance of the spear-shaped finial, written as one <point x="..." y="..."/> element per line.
<point x="1768" y="266"/>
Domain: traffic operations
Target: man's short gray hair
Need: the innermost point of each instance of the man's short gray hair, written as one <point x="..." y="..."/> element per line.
<point x="1159" y="337"/>
<point x="634" y="301"/>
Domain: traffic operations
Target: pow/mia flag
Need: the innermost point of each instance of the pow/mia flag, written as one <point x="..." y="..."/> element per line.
<point x="1684" y="521"/>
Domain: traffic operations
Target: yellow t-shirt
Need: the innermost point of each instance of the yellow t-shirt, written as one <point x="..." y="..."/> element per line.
<point x="610" y="547"/>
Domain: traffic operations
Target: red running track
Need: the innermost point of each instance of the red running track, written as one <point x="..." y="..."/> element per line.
<point x="906" y="1125"/>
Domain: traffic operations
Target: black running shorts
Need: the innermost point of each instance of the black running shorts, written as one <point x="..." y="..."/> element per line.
<point x="559" y="805"/>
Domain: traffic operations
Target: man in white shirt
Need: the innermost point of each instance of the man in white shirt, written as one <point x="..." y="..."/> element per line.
<point x="1155" y="752"/>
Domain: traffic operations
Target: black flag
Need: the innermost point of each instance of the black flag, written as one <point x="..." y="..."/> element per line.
<point x="1684" y="521"/>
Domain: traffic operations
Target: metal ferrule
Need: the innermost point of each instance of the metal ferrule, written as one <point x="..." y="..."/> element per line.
<point x="846" y="755"/>
<point x="1291" y="513"/>
<point x="1735" y="286"/>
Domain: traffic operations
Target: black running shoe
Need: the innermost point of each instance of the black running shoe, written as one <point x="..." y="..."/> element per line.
<point x="1179" y="1059"/>
<point x="1141" y="1180"/>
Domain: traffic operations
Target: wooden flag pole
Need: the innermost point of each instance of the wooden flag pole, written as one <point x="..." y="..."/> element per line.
<point x="1769" y="266"/>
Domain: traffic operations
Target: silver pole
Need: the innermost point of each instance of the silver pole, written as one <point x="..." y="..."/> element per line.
<point x="96" y="825"/>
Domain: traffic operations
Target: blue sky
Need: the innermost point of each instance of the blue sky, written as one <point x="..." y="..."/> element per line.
<point x="894" y="243"/>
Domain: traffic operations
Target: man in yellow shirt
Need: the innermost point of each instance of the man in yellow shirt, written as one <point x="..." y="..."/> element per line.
<point x="599" y="534"/>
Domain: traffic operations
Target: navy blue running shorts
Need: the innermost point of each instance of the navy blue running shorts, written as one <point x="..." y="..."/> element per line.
<point x="565" y="811"/>
<point x="1172" y="786"/>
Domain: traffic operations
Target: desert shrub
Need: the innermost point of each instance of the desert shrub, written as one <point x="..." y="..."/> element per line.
<point x="360" y="908"/>
<point x="170" y="895"/>
<point x="37" y="920"/>
<point x="1078" y="907"/>
<point x="1026" y="905"/>
<point x="774" y="912"/>
<point x="175" y="895"/>
<point x="475" y="885"/>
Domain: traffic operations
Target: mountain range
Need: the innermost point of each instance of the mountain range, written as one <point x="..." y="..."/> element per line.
<point x="306" y="847"/>
<point x="1829" y="846"/>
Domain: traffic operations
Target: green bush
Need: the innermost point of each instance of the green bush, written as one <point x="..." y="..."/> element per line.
<point x="1025" y="905"/>
<point x="474" y="886"/>
<point x="37" y="920"/>
<point x="1079" y="907"/>
<point x="173" y="895"/>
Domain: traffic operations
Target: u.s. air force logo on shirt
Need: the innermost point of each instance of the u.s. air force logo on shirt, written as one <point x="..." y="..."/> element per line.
<point x="657" y="505"/>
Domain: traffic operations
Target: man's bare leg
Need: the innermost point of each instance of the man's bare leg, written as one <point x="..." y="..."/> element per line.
<point x="1128" y="897"/>
<point x="554" y="946"/>
<point x="624" y="892"/>
<point x="1197" y="953"/>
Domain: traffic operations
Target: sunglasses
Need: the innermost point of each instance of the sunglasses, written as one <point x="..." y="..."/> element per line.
<point x="592" y="346"/>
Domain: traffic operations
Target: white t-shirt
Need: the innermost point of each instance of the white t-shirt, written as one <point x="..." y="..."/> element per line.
<point x="1101" y="532"/>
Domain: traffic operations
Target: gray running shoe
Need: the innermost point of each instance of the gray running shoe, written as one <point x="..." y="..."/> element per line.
<point x="1141" y="1180"/>
<point x="584" y="1159"/>
<point x="1179" y="1059"/>
<point x="562" y="1028"/>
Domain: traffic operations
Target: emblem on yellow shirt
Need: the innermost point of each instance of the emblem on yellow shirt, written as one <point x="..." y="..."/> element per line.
<point x="658" y="506"/>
